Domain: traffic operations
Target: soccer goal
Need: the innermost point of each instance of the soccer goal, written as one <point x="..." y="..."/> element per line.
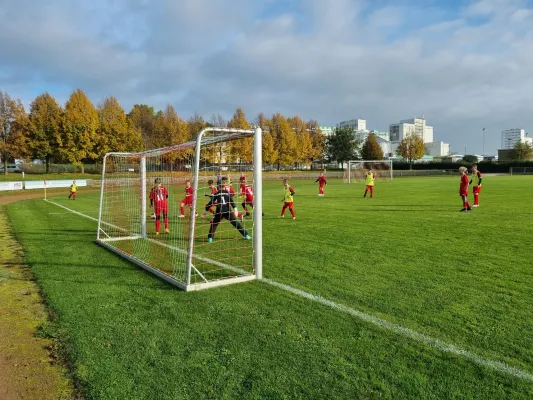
<point x="153" y="209"/>
<point x="355" y="170"/>
<point x="520" y="170"/>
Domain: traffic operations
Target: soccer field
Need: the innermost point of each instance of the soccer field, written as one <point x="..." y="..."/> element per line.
<point x="398" y="296"/>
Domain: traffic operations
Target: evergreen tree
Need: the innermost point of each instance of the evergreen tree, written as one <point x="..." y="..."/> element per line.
<point x="342" y="145"/>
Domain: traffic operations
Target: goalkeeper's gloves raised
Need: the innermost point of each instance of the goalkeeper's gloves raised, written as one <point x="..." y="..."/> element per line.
<point x="236" y="212"/>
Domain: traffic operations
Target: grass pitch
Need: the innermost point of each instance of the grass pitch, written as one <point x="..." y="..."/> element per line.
<point x="407" y="256"/>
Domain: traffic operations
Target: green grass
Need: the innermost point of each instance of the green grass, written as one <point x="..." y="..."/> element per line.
<point x="407" y="256"/>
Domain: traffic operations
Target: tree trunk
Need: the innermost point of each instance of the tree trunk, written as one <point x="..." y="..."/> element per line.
<point x="82" y="168"/>
<point x="410" y="164"/>
<point x="5" y="164"/>
<point x="47" y="165"/>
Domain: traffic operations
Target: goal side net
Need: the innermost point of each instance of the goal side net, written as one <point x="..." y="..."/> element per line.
<point x="159" y="209"/>
<point x="355" y="170"/>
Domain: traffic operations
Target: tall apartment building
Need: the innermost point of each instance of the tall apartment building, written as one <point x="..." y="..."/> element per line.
<point x="407" y="127"/>
<point x="510" y="137"/>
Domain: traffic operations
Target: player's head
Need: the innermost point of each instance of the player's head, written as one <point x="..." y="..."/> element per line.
<point x="242" y="178"/>
<point x="474" y="167"/>
<point x="462" y="170"/>
<point x="223" y="182"/>
<point x="188" y="183"/>
<point x="210" y="182"/>
<point x="285" y="182"/>
<point x="157" y="181"/>
<point x="74" y="182"/>
<point x="321" y="174"/>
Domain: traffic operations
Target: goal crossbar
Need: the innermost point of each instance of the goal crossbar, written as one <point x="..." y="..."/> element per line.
<point x="365" y="164"/>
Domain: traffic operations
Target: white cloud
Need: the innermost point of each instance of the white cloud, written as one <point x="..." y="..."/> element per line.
<point x="464" y="69"/>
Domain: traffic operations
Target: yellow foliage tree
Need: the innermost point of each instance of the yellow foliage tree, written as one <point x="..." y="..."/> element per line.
<point x="284" y="140"/>
<point x="411" y="148"/>
<point x="170" y="129"/>
<point x="13" y="129"/>
<point x="44" y="136"/>
<point x="79" y="128"/>
<point x="304" y="145"/>
<point x="318" y="141"/>
<point x="240" y="150"/>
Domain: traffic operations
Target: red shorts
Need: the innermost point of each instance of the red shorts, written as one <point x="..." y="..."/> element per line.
<point x="249" y="202"/>
<point x="370" y="186"/>
<point x="476" y="189"/>
<point x="290" y="204"/>
<point x="163" y="209"/>
<point x="187" y="201"/>
<point x="465" y="194"/>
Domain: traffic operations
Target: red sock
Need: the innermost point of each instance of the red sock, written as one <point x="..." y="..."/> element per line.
<point x="182" y="210"/>
<point x="211" y="211"/>
<point x="166" y="223"/>
<point x="292" y="212"/>
<point x="157" y="225"/>
<point x="467" y="204"/>
<point x="371" y="191"/>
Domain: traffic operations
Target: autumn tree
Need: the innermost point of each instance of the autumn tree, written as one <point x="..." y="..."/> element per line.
<point x="44" y="136"/>
<point x="318" y="140"/>
<point x="522" y="152"/>
<point x="270" y="154"/>
<point x="195" y="125"/>
<point x="170" y="129"/>
<point x="241" y="150"/>
<point x="342" y="145"/>
<point x="411" y="148"/>
<point x="142" y="118"/>
<point x="304" y="144"/>
<point x="115" y="131"/>
<point x="284" y="140"/>
<point x="371" y="149"/>
<point x="13" y="129"/>
<point x="79" y="129"/>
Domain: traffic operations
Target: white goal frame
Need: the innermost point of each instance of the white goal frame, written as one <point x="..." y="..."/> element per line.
<point x="351" y="162"/>
<point x="219" y="135"/>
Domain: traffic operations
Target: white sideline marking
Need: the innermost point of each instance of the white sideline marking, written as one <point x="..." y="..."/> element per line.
<point x="429" y="341"/>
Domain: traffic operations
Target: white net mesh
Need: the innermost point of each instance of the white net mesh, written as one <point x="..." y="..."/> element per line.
<point x="153" y="210"/>
<point x="355" y="171"/>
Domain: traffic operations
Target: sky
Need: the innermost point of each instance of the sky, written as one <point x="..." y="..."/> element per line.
<point x="464" y="65"/>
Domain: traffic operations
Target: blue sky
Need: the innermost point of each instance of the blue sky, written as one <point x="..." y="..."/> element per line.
<point x="463" y="64"/>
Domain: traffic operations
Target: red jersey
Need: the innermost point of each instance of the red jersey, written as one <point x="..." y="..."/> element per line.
<point x="189" y="191"/>
<point x="248" y="192"/>
<point x="214" y="190"/>
<point x="463" y="188"/>
<point x="321" y="180"/>
<point x="158" y="196"/>
<point x="230" y="190"/>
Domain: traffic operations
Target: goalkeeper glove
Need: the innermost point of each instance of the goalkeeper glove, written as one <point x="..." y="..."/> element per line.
<point x="236" y="212"/>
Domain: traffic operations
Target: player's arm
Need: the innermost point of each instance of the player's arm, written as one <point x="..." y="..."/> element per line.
<point x="166" y="193"/>
<point x="480" y="178"/>
<point x="210" y="203"/>
<point x="317" y="180"/>
<point x="152" y="198"/>
<point x="292" y="191"/>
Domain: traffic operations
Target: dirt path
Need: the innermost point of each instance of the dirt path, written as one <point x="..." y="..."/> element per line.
<point x="27" y="368"/>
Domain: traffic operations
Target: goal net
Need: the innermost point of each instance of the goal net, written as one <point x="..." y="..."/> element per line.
<point x="158" y="209"/>
<point x="355" y="170"/>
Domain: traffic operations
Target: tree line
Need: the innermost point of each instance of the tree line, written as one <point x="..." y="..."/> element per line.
<point x="80" y="132"/>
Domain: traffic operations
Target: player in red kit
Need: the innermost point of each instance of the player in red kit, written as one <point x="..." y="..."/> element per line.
<point x="248" y="194"/>
<point x="475" y="181"/>
<point x="159" y="201"/>
<point x="463" y="189"/>
<point x="212" y="192"/>
<point x="321" y="183"/>
<point x="187" y="201"/>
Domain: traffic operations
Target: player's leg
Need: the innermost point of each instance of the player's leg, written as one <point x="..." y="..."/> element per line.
<point x="285" y="205"/>
<point x="70" y="195"/>
<point x="165" y="218"/>
<point x="213" y="226"/>
<point x="371" y="191"/>
<point x="233" y="221"/>
<point x="476" y="190"/>
<point x="366" y="191"/>
<point x="182" y="209"/>
<point x="157" y="220"/>
<point x="291" y="209"/>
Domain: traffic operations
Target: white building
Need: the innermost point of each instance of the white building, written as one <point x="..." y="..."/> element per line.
<point x="355" y="124"/>
<point x="437" y="149"/>
<point x="510" y="137"/>
<point x="326" y="130"/>
<point x="408" y="126"/>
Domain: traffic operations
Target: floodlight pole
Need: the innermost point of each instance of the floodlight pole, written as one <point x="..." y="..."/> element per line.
<point x="258" y="206"/>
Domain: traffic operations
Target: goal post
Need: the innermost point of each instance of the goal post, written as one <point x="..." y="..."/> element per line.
<point x="157" y="209"/>
<point x="355" y="170"/>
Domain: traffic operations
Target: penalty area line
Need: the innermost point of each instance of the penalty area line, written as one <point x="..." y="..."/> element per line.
<point x="426" y="340"/>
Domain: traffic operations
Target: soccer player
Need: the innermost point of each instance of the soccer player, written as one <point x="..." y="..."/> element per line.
<point x="476" y="181"/>
<point x="159" y="201"/>
<point x="288" y="200"/>
<point x="187" y="201"/>
<point x="369" y="181"/>
<point x="321" y="183"/>
<point x="213" y="192"/>
<point x="226" y="208"/>
<point x="248" y="194"/>
<point x="463" y="189"/>
<point x="73" y="190"/>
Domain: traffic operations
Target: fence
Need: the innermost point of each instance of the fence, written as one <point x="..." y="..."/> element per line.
<point x="521" y="171"/>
